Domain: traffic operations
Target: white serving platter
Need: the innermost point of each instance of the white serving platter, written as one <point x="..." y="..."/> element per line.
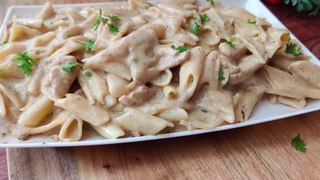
<point x="263" y="112"/>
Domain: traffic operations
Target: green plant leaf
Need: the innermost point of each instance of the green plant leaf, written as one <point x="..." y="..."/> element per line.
<point x="194" y="29"/>
<point x="298" y="144"/>
<point x="70" y="66"/>
<point x="181" y="49"/>
<point x="317" y="2"/>
<point x="25" y="62"/>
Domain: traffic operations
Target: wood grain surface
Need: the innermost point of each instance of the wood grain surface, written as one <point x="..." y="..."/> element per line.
<point x="256" y="152"/>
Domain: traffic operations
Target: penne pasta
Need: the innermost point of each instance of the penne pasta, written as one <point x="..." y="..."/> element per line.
<point x="36" y="112"/>
<point x="75" y="104"/>
<point x="138" y="122"/>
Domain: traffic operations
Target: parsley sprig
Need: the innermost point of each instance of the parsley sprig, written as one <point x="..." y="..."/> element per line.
<point x="195" y="27"/>
<point x="149" y="4"/>
<point x="25" y="62"/>
<point x="294" y="49"/>
<point x="70" y="66"/>
<point x="181" y="49"/>
<point x="231" y="41"/>
<point x="298" y="144"/>
<point x="88" y="46"/>
<point x="311" y="6"/>
<point x="4" y="43"/>
<point x="252" y="21"/>
<point x="211" y="2"/>
<point x="221" y="74"/>
<point x="113" y="27"/>
<point x="69" y="34"/>
<point x="204" y="18"/>
<point x="88" y="73"/>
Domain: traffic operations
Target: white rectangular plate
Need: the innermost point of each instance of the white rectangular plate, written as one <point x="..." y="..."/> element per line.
<point x="263" y="112"/>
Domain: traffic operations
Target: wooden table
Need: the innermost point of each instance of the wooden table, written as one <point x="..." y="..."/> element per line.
<point x="256" y="152"/>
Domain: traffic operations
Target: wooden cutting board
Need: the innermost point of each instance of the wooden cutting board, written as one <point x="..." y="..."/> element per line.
<point x="256" y="152"/>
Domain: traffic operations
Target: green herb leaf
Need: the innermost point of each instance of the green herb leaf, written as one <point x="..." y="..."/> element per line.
<point x="149" y="4"/>
<point x="115" y="19"/>
<point x="292" y="48"/>
<point x="1" y="72"/>
<point x="311" y="6"/>
<point x="211" y="2"/>
<point x="298" y="144"/>
<point x="70" y="66"/>
<point x="88" y="46"/>
<point x="113" y="28"/>
<point x="252" y="21"/>
<point x="230" y="42"/>
<point x="204" y="18"/>
<point x="98" y="20"/>
<point x="25" y="62"/>
<point x="4" y="43"/>
<point x="315" y="11"/>
<point x="194" y="28"/>
<point x="88" y="73"/>
<point x="69" y="34"/>
<point x="221" y="74"/>
<point x="181" y="49"/>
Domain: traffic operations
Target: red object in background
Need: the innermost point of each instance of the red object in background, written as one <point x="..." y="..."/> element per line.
<point x="274" y="1"/>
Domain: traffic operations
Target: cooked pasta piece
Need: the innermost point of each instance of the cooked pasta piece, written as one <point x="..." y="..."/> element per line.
<point x="76" y="104"/>
<point x="173" y="114"/>
<point x="141" y="123"/>
<point x="71" y="130"/>
<point x="109" y="131"/>
<point x="94" y="87"/>
<point x="190" y="73"/>
<point x="35" y="112"/>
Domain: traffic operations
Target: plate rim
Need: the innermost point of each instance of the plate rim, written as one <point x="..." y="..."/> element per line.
<point x="26" y="144"/>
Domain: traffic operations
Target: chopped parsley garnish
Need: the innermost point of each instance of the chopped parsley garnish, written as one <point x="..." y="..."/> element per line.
<point x="204" y="18"/>
<point x="98" y="20"/>
<point x="69" y="34"/>
<point x="1" y="72"/>
<point x="231" y="41"/>
<point x="88" y="46"/>
<point x="181" y="49"/>
<point x="70" y="66"/>
<point x="292" y="48"/>
<point x="211" y="2"/>
<point x="221" y="74"/>
<point x="88" y="73"/>
<point x="194" y="28"/>
<point x="115" y="19"/>
<point x="298" y="144"/>
<point x="4" y="43"/>
<point x="25" y="62"/>
<point x="252" y="21"/>
<point x="149" y="4"/>
<point x="113" y="27"/>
